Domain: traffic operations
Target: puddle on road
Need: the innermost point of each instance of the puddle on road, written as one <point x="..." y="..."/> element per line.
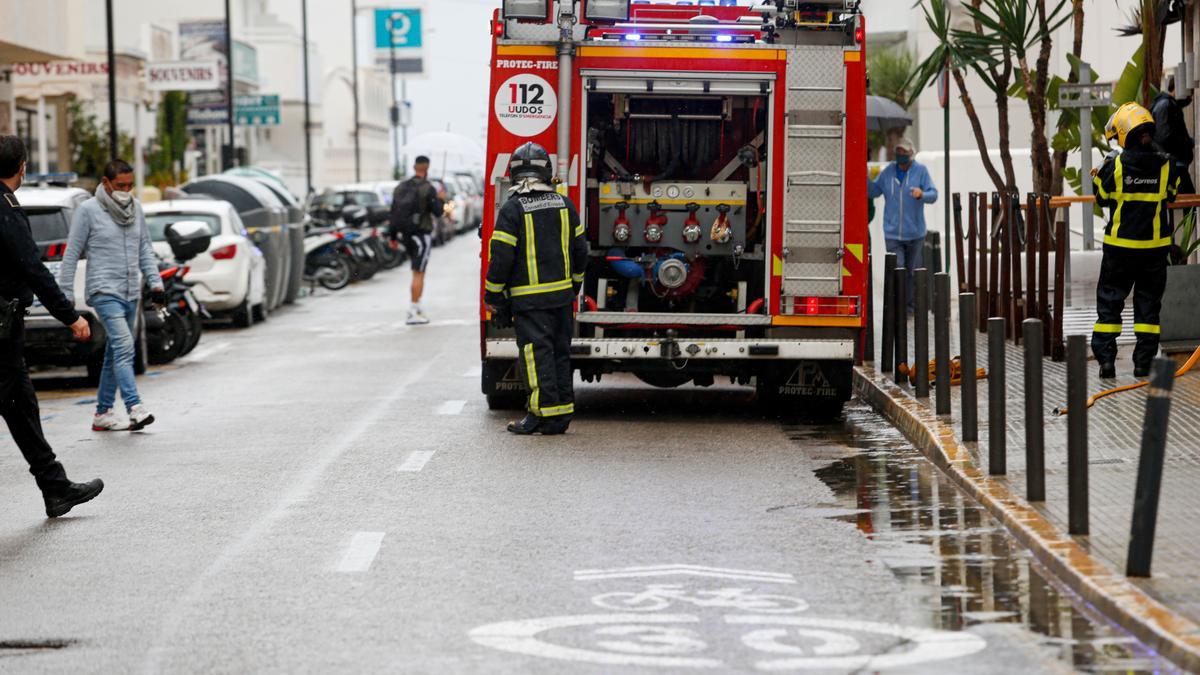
<point x="957" y="565"/>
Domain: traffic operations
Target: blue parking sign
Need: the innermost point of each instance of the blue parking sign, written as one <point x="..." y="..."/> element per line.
<point x="399" y="28"/>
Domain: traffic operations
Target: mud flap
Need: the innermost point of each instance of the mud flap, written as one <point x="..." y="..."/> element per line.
<point x="809" y="389"/>
<point x="502" y="385"/>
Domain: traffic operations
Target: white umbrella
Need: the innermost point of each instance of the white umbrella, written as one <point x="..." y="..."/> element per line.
<point x="446" y="149"/>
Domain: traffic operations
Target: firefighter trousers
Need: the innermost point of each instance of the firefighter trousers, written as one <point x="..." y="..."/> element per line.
<point x="544" y="341"/>
<point x="1143" y="273"/>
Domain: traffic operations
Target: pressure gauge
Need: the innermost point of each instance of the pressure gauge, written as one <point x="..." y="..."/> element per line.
<point x="673" y="192"/>
<point x="689" y="192"/>
<point x="658" y="192"/>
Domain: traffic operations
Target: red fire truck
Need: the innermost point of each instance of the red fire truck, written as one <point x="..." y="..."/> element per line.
<point x="717" y="154"/>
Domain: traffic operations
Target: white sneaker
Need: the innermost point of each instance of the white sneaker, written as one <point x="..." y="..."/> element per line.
<point x="416" y="317"/>
<point x="107" y="422"/>
<point x="139" y="418"/>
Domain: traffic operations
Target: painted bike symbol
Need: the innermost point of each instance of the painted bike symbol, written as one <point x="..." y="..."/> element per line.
<point x="658" y="597"/>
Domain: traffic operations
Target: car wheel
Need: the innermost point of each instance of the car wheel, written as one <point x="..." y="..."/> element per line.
<point x="141" y="351"/>
<point x="261" y="312"/>
<point x="243" y="316"/>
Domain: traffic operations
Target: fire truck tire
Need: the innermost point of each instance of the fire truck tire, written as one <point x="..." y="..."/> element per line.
<point x="663" y="379"/>
<point x="502" y="385"/>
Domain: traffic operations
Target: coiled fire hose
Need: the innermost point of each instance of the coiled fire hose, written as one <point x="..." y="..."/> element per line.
<point x="1183" y="370"/>
<point x="955" y="372"/>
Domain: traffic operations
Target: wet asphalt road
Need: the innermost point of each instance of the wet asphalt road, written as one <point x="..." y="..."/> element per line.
<point x="328" y="493"/>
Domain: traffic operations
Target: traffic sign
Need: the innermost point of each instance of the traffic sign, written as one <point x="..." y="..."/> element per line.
<point x="398" y="28"/>
<point x="1085" y="95"/>
<point x="257" y="111"/>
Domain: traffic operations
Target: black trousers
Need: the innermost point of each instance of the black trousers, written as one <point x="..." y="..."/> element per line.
<point x="544" y="339"/>
<point x="1145" y="274"/>
<point x="19" y="407"/>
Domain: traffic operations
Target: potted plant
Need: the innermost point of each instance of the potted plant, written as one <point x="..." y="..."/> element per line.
<point x="1180" y="320"/>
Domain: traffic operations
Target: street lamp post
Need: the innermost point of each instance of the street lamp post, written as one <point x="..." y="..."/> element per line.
<point x="113" y="144"/>
<point x="354" y="77"/>
<point x="231" y="161"/>
<point x="308" y="183"/>
<point x="395" y="103"/>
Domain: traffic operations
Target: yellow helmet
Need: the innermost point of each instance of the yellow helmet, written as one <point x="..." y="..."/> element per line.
<point x="1127" y="118"/>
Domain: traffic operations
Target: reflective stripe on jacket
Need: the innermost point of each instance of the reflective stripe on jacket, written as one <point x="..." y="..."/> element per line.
<point x="538" y="253"/>
<point x="1136" y="188"/>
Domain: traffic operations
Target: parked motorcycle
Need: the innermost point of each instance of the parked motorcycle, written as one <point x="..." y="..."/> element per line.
<point x="174" y="328"/>
<point x="327" y="258"/>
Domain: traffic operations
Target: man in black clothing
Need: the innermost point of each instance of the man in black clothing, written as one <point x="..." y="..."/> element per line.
<point x="1171" y="134"/>
<point x="538" y="255"/>
<point x="1136" y="187"/>
<point x="415" y="203"/>
<point x="22" y="275"/>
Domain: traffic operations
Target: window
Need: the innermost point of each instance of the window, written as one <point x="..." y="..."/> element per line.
<point x="48" y="225"/>
<point x="158" y="222"/>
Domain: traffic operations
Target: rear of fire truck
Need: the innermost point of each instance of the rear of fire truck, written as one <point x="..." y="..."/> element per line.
<point x="718" y="158"/>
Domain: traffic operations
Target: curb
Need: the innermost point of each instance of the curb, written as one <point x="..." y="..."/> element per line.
<point x="1173" y="636"/>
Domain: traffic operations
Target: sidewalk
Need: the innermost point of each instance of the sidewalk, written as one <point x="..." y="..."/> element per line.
<point x="1114" y="439"/>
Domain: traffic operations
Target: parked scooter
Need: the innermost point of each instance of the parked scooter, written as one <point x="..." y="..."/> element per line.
<point x="175" y="328"/>
<point x="327" y="258"/>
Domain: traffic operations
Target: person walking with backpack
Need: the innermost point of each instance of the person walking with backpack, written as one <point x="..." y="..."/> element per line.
<point x="110" y="230"/>
<point x="415" y="203"/>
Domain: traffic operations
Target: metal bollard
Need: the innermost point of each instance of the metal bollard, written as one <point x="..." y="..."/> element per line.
<point x="970" y="385"/>
<point x="997" y="414"/>
<point x="1150" y="468"/>
<point x="1077" y="435"/>
<point x="900" y="283"/>
<point x="921" y="331"/>
<point x="1035" y="412"/>
<point x="868" y="350"/>
<point x="888" y="346"/>
<point x="941" y="339"/>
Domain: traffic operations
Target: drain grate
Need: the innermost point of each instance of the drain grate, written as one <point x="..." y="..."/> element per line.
<point x="30" y="645"/>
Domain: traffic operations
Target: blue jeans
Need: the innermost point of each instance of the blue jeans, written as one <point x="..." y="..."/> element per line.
<point x="910" y="255"/>
<point x="120" y="320"/>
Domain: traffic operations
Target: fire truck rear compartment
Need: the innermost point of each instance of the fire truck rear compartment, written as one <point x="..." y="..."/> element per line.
<point x="675" y="207"/>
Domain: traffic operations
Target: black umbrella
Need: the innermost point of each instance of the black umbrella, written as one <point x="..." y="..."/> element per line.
<point x="884" y="114"/>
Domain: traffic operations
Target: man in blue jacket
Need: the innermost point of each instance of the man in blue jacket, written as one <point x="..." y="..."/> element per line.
<point x="906" y="188"/>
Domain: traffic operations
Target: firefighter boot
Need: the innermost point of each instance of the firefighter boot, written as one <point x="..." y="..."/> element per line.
<point x="528" y="426"/>
<point x="1108" y="371"/>
<point x="554" y="426"/>
<point x="1141" y="371"/>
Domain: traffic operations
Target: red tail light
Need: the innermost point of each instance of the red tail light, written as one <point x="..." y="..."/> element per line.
<point x="225" y="252"/>
<point x="55" y="251"/>
<point x="860" y="35"/>
<point x="819" y="306"/>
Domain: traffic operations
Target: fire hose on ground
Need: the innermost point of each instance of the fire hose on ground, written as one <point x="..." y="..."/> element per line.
<point x="1183" y="370"/>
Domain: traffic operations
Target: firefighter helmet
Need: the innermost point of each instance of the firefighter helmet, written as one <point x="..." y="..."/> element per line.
<point x="1128" y="117"/>
<point x="531" y="161"/>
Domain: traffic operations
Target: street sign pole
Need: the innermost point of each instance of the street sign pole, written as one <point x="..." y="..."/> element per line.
<point x="1085" y="170"/>
<point x="232" y="161"/>
<point x="113" y="145"/>
<point x="395" y="105"/>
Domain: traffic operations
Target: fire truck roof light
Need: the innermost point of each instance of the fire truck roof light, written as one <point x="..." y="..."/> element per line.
<point x="535" y="10"/>
<point x="633" y="36"/>
<point x="724" y="38"/>
<point x="606" y="10"/>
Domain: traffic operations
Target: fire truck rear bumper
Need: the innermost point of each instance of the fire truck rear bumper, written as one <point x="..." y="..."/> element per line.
<point x="631" y="348"/>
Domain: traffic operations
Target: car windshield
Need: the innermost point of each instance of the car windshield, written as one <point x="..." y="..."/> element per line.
<point x="337" y="200"/>
<point x="158" y="222"/>
<point x="48" y="224"/>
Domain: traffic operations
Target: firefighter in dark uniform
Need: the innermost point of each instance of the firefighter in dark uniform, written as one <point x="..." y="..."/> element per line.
<point x="538" y="255"/>
<point x="1136" y="186"/>
<point x="22" y="275"/>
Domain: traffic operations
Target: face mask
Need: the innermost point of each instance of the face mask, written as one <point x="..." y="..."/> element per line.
<point x="903" y="160"/>
<point x="122" y="198"/>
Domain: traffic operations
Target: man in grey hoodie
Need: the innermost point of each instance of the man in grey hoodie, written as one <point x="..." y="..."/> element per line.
<point x="111" y="231"/>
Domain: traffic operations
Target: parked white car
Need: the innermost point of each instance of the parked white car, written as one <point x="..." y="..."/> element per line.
<point x="230" y="277"/>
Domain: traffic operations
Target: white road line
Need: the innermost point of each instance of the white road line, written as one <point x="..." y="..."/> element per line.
<point x="207" y="352"/>
<point x="416" y="461"/>
<point x="361" y="553"/>
<point x="172" y="619"/>
<point x="451" y="408"/>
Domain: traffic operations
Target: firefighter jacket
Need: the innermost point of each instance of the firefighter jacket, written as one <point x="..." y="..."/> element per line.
<point x="1136" y="188"/>
<point x="539" y="252"/>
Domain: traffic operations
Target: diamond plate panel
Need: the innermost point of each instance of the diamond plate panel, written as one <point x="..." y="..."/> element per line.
<point x="809" y="202"/>
<point x="808" y="154"/>
<point x="815" y="66"/>
<point x="812" y="279"/>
